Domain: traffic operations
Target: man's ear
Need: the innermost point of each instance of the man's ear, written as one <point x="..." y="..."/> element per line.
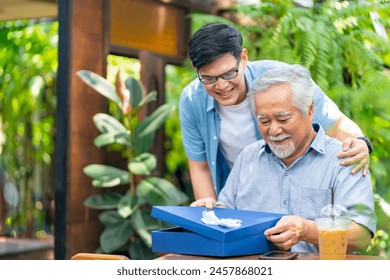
<point x="311" y="110"/>
<point x="244" y="57"/>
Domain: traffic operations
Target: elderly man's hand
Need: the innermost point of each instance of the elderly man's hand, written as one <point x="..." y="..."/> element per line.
<point x="356" y="152"/>
<point x="207" y="202"/>
<point x="287" y="232"/>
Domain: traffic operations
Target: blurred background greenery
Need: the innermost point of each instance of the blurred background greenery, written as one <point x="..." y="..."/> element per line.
<point x="345" y="44"/>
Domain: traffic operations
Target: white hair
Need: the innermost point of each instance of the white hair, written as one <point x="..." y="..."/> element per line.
<point x="296" y="76"/>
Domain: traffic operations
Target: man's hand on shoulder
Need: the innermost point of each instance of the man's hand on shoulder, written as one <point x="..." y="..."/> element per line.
<point x="207" y="202"/>
<point x="356" y="152"/>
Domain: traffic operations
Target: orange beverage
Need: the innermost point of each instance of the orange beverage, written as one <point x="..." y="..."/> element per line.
<point x="333" y="244"/>
<point x="333" y="237"/>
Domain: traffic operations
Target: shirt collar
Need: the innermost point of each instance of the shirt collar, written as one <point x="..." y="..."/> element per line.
<point x="211" y="102"/>
<point x="318" y="142"/>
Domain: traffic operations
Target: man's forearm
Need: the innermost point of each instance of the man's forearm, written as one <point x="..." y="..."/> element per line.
<point x="343" y="128"/>
<point x="359" y="237"/>
<point x="202" y="183"/>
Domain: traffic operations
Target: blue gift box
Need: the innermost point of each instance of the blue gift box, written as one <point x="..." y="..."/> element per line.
<point x="193" y="237"/>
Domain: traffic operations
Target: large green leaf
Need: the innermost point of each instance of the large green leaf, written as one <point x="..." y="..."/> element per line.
<point x="153" y="122"/>
<point x="144" y="144"/>
<point x="142" y="164"/>
<point x="152" y="223"/>
<point x="106" y="123"/>
<point x="108" y="138"/>
<point x="158" y="191"/>
<point x="114" y="237"/>
<point x="151" y="96"/>
<point x="139" y="225"/>
<point x="103" y="201"/>
<point x="106" y="176"/>
<point x="135" y="88"/>
<point x="99" y="84"/>
<point x="110" y="217"/>
<point x="127" y="205"/>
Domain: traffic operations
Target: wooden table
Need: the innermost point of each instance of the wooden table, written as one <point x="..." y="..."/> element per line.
<point x="301" y="256"/>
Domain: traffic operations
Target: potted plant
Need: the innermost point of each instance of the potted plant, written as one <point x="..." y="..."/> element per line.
<point x="126" y="216"/>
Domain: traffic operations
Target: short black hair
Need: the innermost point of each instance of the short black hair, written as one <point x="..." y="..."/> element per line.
<point x="212" y="41"/>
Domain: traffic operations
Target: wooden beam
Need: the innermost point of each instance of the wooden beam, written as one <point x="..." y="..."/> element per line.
<point x="150" y="25"/>
<point x="27" y="9"/>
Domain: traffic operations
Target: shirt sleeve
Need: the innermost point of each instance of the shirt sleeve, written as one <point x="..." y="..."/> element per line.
<point x="355" y="193"/>
<point x="326" y="111"/>
<point x="193" y="142"/>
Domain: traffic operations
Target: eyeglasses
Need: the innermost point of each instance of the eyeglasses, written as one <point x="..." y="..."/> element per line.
<point x="208" y="80"/>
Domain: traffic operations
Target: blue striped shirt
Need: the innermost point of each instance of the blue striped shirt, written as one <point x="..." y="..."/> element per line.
<point x="261" y="181"/>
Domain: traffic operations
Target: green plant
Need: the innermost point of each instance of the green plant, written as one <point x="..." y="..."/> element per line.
<point x="126" y="217"/>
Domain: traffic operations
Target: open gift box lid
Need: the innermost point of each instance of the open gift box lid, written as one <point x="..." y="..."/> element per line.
<point x="189" y="218"/>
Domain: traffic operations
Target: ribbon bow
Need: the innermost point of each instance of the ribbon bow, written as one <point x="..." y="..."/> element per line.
<point x="209" y="218"/>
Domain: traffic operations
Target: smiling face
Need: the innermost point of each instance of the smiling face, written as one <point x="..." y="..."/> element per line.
<point x="226" y="92"/>
<point x="287" y="132"/>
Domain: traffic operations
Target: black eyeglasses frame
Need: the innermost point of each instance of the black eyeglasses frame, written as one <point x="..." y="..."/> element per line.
<point x="214" y="79"/>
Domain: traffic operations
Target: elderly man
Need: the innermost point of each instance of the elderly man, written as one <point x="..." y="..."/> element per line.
<point x="293" y="169"/>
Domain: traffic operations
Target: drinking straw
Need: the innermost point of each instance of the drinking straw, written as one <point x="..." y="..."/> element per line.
<point x="332" y="199"/>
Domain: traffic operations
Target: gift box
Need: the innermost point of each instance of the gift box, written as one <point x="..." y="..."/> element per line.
<point x="191" y="236"/>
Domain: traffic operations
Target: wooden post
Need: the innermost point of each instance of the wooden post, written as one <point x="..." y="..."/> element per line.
<point x="82" y="45"/>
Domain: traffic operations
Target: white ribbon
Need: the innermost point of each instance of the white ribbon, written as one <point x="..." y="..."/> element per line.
<point x="209" y="218"/>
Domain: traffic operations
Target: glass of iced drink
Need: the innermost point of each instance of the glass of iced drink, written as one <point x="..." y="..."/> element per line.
<point x="333" y="237"/>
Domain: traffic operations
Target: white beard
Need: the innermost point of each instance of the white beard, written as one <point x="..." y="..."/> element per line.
<point x="282" y="150"/>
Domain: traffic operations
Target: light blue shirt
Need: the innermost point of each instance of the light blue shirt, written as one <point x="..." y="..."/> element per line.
<point x="200" y="122"/>
<point x="261" y="181"/>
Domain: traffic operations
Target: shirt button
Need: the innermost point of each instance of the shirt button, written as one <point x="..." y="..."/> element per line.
<point x="215" y="137"/>
<point x="284" y="201"/>
<point x="213" y="163"/>
<point x="286" y="173"/>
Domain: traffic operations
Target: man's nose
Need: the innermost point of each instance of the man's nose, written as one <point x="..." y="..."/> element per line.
<point x="275" y="129"/>
<point x="221" y="83"/>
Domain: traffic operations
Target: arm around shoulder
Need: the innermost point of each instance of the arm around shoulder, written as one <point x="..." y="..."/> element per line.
<point x="355" y="150"/>
<point x="344" y="128"/>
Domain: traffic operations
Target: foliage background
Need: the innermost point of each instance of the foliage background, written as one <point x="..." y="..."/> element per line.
<point x="28" y="56"/>
<point x="336" y="40"/>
